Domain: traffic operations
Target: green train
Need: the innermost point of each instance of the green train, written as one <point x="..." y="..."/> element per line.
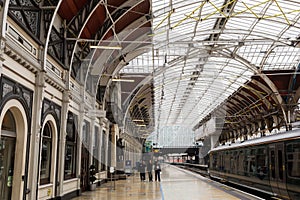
<point x="269" y="164"/>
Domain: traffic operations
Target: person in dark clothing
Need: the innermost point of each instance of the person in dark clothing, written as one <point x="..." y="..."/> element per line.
<point x="149" y="170"/>
<point x="157" y="170"/>
<point x="142" y="170"/>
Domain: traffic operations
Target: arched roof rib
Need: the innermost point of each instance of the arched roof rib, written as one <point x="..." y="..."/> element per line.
<point x="204" y="52"/>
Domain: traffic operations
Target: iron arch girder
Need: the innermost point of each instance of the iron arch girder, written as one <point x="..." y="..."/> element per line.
<point x="109" y="25"/>
<point x="140" y="22"/>
<point x="131" y="97"/>
<point x="115" y="67"/>
<point x="236" y="104"/>
<point x="251" y="102"/>
<point x="293" y="101"/>
<point x="77" y="25"/>
<point x="275" y="43"/>
<point x="239" y="99"/>
<point x="297" y="95"/>
<point x="100" y="62"/>
<point x="264" y="77"/>
<point x="85" y="50"/>
<point x="267" y="91"/>
<point x="44" y="58"/>
<point x="259" y="97"/>
<point x="79" y="21"/>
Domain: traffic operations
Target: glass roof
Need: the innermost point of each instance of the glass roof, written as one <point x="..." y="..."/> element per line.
<point x="203" y="51"/>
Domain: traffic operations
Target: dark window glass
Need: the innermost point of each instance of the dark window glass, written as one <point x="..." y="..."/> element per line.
<point x="293" y="160"/>
<point x="70" y="149"/>
<point x="280" y="164"/>
<point x="227" y="157"/>
<point x="85" y="133"/>
<point x="272" y="164"/>
<point x="232" y="162"/>
<point x="262" y="163"/>
<point x="240" y="162"/>
<point x="46" y="154"/>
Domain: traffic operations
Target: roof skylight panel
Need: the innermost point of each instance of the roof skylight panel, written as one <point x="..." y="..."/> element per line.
<point x="240" y="24"/>
<point x="284" y="58"/>
<point x="159" y="6"/>
<point x="291" y="34"/>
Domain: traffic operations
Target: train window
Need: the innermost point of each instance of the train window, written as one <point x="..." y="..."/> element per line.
<point x="233" y="162"/>
<point x="251" y="162"/>
<point x="261" y="160"/>
<point x="272" y="164"/>
<point x="214" y="163"/>
<point x="220" y="161"/>
<point x="280" y="164"/>
<point x="240" y="162"/>
<point x="227" y="161"/>
<point x="293" y="160"/>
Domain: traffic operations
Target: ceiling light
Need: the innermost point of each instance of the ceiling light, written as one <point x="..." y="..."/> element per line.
<point x="140" y="125"/>
<point x="106" y="47"/>
<point x="122" y="80"/>
<point x="138" y="120"/>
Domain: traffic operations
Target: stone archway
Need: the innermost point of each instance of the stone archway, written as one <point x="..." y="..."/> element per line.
<point x="13" y="139"/>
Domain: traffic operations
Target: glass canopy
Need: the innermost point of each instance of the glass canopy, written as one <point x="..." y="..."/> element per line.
<point x="203" y="51"/>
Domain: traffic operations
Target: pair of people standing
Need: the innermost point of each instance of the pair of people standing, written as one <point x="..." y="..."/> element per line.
<point x="149" y="166"/>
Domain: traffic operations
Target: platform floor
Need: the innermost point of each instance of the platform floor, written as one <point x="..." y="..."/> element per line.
<point x="176" y="184"/>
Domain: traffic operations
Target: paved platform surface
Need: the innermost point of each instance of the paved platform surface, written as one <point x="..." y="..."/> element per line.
<point x="176" y="184"/>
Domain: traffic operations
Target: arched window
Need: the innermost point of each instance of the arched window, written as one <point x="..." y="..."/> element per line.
<point x="46" y="154"/>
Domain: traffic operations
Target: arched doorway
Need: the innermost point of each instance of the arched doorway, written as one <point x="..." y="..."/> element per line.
<point x="13" y="140"/>
<point x="7" y="155"/>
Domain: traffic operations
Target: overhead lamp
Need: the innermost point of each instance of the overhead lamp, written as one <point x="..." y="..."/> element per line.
<point x="106" y="47"/>
<point x="140" y="125"/>
<point x="138" y="120"/>
<point x="122" y="80"/>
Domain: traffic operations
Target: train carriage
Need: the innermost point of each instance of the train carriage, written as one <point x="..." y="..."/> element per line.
<point x="268" y="164"/>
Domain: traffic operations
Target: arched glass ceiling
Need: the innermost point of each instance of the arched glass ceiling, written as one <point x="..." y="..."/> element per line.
<point x="203" y="51"/>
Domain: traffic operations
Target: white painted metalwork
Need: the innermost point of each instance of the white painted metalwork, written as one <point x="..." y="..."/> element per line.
<point x="203" y="51"/>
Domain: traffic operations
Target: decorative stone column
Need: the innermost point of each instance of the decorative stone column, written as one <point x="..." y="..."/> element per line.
<point x="114" y="132"/>
<point x="62" y="144"/>
<point x="33" y="180"/>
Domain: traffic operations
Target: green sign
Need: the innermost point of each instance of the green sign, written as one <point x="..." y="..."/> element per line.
<point x="148" y="146"/>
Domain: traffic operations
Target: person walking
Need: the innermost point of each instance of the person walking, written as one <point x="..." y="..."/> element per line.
<point x="149" y="170"/>
<point x="157" y="170"/>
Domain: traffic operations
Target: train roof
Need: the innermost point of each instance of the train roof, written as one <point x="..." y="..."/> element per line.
<point x="262" y="140"/>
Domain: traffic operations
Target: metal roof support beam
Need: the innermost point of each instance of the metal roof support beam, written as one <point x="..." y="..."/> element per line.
<point x="266" y="79"/>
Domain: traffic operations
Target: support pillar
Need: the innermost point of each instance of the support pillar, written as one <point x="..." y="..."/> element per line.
<point x="107" y="150"/>
<point x="61" y="153"/>
<point x="114" y="133"/>
<point x="33" y="180"/>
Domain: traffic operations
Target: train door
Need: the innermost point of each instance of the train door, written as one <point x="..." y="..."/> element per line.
<point x="277" y="169"/>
